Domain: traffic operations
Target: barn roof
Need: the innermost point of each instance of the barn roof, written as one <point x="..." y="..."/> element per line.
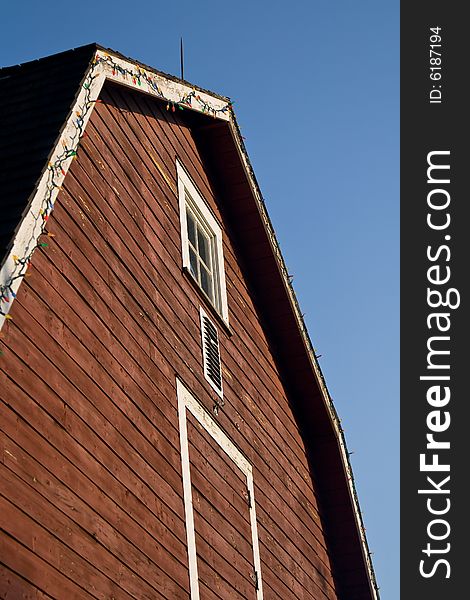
<point x="44" y="108"/>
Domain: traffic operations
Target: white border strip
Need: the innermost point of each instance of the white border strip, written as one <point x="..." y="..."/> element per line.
<point x="32" y="225"/>
<point x="187" y="401"/>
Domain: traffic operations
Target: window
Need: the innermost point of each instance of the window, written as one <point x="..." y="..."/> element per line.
<point x="201" y="238"/>
<point x="201" y="253"/>
<point x="219" y="502"/>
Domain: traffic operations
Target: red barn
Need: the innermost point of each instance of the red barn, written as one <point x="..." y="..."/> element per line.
<point x="166" y="431"/>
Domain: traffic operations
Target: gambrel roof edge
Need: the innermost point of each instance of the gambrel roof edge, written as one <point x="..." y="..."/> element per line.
<point x="107" y="65"/>
<point x="328" y="402"/>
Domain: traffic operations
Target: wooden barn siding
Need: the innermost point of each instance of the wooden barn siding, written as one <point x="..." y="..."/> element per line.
<point x="254" y="322"/>
<point x="123" y="145"/>
<point x="102" y="324"/>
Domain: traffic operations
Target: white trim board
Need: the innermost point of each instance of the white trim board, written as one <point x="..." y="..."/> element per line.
<point x="185" y="184"/>
<point x="127" y="73"/>
<point x="186" y="401"/>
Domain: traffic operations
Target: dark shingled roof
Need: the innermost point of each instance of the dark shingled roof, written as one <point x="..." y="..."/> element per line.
<point x="35" y="100"/>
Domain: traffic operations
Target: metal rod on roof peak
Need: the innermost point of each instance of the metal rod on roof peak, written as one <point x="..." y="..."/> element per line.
<point x="182" y="57"/>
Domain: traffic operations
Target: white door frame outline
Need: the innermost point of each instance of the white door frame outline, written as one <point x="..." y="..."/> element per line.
<point x="187" y="401"/>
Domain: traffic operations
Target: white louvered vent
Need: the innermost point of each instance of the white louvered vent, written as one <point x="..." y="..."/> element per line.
<point x="211" y="353"/>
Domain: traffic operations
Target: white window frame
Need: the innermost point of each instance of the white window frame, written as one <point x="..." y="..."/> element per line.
<point x="208" y="222"/>
<point x="186" y="401"/>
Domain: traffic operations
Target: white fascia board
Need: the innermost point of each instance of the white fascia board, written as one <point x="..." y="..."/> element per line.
<point x="105" y="66"/>
<point x="133" y="75"/>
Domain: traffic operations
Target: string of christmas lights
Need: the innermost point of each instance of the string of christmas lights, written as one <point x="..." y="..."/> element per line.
<point x="56" y="171"/>
<point x="139" y="75"/>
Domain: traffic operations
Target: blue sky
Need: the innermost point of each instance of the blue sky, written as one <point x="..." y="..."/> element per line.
<point x="316" y="91"/>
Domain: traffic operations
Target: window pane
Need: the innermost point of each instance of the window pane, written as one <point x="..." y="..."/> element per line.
<point x="206" y="281"/>
<point x="201" y="236"/>
<point x="193" y="262"/>
<point x="203" y="247"/>
<point x="191" y="228"/>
